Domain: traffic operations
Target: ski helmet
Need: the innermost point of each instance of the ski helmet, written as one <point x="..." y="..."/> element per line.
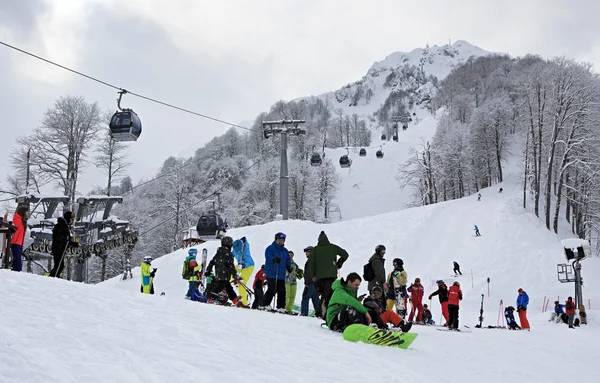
<point x="192" y="252"/>
<point x="556" y="302"/>
<point x="147" y="259"/>
<point x="279" y="236"/>
<point x="510" y="308"/>
<point x="380" y="249"/>
<point x="227" y="242"/>
<point x="309" y="249"/>
<point x="440" y="282"/>
<point x="417" y="280"/>
<point x="398" y="262"/>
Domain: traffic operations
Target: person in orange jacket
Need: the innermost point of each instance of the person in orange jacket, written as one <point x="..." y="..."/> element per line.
<point x="18" y="238"/>
<point x="454" y="297"/>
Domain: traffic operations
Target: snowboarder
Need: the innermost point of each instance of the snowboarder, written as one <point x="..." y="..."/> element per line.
<point x="323" y="265"/>
<point x="260" y="280"/>
<point x="510" y="318"/>
<point x="427" y="317"/>
<point x="191" y="271"/>
<point x="377" y="264"/>
<point x="224" y="272"/>
<point x="344" y="307"/>
<point x="456" y="269"/>
<point x="291" y="285"/>
<point x="380" y="316"/>
<point x="477" y="234"/>
<point x="61" y="240"/>
<point x="416" y="291"/>
<point x="147" y="276"/>
<point x="522" y="302"/>
<point x="556" y="315"/>
<point x="479" y="197"/>
<point x="500" y="191"/>
<point x="277" y="261"/>
<point x="570" y="310"/>
<point x="310" y="290"/>
<point x="454" y="298"/>
<point x="442" y="293"/>
<point x="397" y="294"/>
<point x="18" y="238"/>
<point x="241" y="252"/>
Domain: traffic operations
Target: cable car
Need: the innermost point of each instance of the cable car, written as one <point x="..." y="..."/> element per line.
<point x="395" y="137"/>
<point x="315" y="159"/>
<point x="379" y="154"/>
<point x="345" y="161"/>
<point x="209" y="226"/>
<point x="125" y="126"/>
<point x="383" y="137"/>
<point x="363" y="152"/>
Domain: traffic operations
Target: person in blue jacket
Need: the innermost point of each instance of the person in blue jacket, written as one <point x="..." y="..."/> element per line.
<point x="245" y="264"/>
<point x="558" y="312"/>
<point x="277" y="262"/>
<point x="522" y="302"/>
<point x="477" y="234"/>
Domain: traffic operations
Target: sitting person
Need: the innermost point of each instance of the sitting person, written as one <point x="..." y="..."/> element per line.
<point x="381" y="317"/>
<point x="510" y="318"/>
<point x="344" y="307"/>
<point x="556" y="315"/>
<point x="427" y="317"/>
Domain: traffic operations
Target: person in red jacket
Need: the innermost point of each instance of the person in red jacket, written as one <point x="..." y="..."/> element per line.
<point x="18" y="238"/>
<point x="454" y="297"/>
<point x="570" y="310"/>
<point x="442" y="293"/>
<point x="416" y="291"/>
<point x="260" y="280"/>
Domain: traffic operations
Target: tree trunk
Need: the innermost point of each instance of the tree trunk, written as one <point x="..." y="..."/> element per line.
<point x="526" y="171"/>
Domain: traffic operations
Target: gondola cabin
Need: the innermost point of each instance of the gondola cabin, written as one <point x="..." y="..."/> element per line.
<point x="363" y="152"/>
<point x="125" y="126"/>
<point x="345" y="161"/>
<point x="209" y="226"/>
<point x="379" y="154"/>
<point x="316" y="160"/>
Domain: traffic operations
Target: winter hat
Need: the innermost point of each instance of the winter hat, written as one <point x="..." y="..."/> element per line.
<point x="376" y="289"/>
<point x="68" y="215"/>
<point x="520" y="290"/>
<point x="417" y="280"/>
<point x="21" y="210"/>
<point x="323" y="236"/>
<point x="570" y="298"/>
<point x="308" y="249"/>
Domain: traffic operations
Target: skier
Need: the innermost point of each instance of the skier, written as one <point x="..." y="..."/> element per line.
<point x="224" y="272"/>
<point x="277" y="261"/>
<point x="454" y="298"/>
<point x="380" y="316"/>
<point x="147" y="276"/>
<point x="241" y="252"/>
<point x="477" y="234"/>
<point x="500" y="191"/>
<point x="456" y="269"/>
<point x="259" y="282"/>
<point x="191" y="271"/>
<point x="344" y="307"/>
<point x="323" y="265"/>
<point x="61" y="239"/>
<point x="427" y="317"/>
<point x="442" y="293"/>
<point x="291" y="286"/>
<point x="479" y="197"/>
<point x="397" y="294"/>
<point x="510" y="318"/>
<point x="570" y="310"/>
<point x="556" y="315"/>
<point x="522" y="302"/>
<point x="377" y="264"/>
<point x="310" y="290"/>
<point x="416" y="291"/>
<point x="18" y="238"/>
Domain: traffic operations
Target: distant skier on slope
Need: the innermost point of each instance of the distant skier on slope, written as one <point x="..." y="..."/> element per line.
<point x="222" y="262"/>
<point x="456" y="269"/>
<point x="442" y="293"/>
<point x="479" y="197"/>
<point x="477" y="234"/>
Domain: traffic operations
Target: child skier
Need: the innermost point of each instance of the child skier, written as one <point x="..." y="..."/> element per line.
<point x="427" y="317"/>
<point x="291" y="285"/>
<point x="556" y="315"/>
<point x="510" y="318"/>
<point x="224" y="272"/>
<point x="191" y="271"/>
<point x="260" y="280"/>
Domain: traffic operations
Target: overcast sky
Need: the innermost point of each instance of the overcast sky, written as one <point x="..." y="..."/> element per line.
<point x="233" y="59"/>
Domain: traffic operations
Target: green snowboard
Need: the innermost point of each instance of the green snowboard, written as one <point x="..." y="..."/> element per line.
<point x="370" y="335"/>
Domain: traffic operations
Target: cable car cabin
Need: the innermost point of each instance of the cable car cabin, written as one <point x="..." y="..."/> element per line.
<point x="345" y="161"/>
<point x="209" y="226"/>
<point x="125" y="126"/>
<point x="395" y="137"/>
<point x="315" y="159"/>
<point x="383" y="137"/>
<point x="363" y="152"/>
<point x="379" y="154"/>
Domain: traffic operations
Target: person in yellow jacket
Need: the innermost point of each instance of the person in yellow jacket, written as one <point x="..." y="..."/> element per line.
<point x="147" y="276"/>
<point x="397" y="281"/>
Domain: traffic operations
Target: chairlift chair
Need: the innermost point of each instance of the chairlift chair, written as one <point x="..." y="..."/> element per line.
<point x="363" y="152"/>
<point x="345" y="161"/>
<point x="316" y="160"/>
<point x="125" y="125"/>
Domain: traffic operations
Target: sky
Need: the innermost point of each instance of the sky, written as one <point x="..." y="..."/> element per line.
<point x="232" y="60"/>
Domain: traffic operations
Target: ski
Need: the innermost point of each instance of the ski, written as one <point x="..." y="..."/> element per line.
<point x="204" y="260"/>
<point x="464" y="329"/>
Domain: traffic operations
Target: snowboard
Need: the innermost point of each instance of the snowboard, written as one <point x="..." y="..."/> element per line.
<point x="370" y="335"/>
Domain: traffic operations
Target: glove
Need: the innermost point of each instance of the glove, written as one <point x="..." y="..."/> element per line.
<point x="289" y="268"/>
<point x="276" y="260"/>
<point x="154" y="270"/>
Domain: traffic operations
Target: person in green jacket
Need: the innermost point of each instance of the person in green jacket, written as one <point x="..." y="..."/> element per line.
<point x="291" y="284"/>
<point x="344" y="307"/>
<point x="323" y="265"/>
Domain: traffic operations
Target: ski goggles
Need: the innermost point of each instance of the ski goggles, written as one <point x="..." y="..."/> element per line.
<point x="279" y="236"/>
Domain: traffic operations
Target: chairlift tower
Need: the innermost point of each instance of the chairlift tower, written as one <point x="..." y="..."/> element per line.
<point x="283" y="128"/>
<point x="575" y="251"/>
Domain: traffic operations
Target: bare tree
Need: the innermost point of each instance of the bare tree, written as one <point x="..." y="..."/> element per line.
<point x="111" y="158"/>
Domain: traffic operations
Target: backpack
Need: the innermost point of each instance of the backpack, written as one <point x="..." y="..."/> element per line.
<point x="189" y="264"/>
<point x="368" y="272"/>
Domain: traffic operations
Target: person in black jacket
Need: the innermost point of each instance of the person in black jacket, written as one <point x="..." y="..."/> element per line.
<point x="310" y="290"/>
<point x="224" y="272"/>
<point x="377" y="263"/>
<point x="456" y="269"/>
<point x="381" y="317"/>
<point x="442" y="293"/>
<point x="61" y="240"/>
